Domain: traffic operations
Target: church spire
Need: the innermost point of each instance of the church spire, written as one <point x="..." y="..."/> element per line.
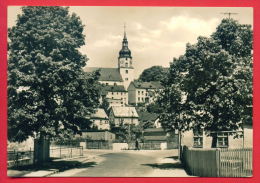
<point x="125" y="51"/>
<point x="125" y="31"/>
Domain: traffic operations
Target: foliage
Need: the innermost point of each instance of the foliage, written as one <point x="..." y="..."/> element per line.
<point x="210" y="86"/>
<point x="48" y="92"/>
<point x="154" y="108"/>
<point x="105" y="105"/>
<point x="127" y="133"/>
<point x="154" y="73"/>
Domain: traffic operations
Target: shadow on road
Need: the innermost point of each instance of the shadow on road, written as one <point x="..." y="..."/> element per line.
<point x="173" y="157"/>
<point x="59" y="165"/>
<point x="165" y="165"/>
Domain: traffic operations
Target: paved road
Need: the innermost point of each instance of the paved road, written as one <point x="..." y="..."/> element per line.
<point x="132" y="164"/>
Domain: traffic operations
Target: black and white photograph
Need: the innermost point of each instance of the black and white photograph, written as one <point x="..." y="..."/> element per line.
<point x="120" y="91"/>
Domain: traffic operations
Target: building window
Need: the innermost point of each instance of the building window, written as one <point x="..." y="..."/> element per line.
<point x="107" y="84"/>
<point x="126" y="71"/>
<point x="138" y="98"/>
<point x="198" y="138"/>
<point x="222" y="140"/>
<point x="112" y="93"/>
<point x="142" y="92"/>
<point x="126" y="79"/>
<point x="126" y="64"/>
<point x="138" y="92"/>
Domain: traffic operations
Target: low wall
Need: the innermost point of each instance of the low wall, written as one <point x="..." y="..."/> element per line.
<point x="120" y="146"/>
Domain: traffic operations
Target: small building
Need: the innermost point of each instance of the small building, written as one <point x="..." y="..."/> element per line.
<point x="143" y="92"/>
<point x="157" y="138"/>
<point x="149" y="120"/>
<point x="98" y="135"/>
<point x="100" y="120"/>
<point x="97" y="139"/>
<point x="115" y="95"/>
<point x="123" y="115"/>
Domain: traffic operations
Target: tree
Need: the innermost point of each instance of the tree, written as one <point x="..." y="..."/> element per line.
<point x="154" y="73"/>
<point x="210" y="86"/>
<point x="48" y="92"/>
<point x="128" y="132"/>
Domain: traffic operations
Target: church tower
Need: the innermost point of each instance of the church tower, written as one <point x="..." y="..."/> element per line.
<point x="125" y="63"/>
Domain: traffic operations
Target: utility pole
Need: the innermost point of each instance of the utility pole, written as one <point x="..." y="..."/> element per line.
<point x="229" y="14"/>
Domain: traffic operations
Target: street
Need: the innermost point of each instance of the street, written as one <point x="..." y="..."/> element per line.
<point x="129" y="164"/>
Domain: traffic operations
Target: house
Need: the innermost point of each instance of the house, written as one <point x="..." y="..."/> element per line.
<point x="123" y="74"/>
<point x="149" y="120"/>
<point x="143" y="92"/>
<point x="115" y="95"/>
<point x="157" y="138"/>
<point x="123" y="115"/>
<point x="100" y="120"/>
<point x="201" y="139"/>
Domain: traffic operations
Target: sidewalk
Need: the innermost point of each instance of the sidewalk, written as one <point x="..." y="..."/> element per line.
<point x="49" y="168"/>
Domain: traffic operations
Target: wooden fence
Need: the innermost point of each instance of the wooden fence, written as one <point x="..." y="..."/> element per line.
<point x="235" y="162"/>
<point x="19" y="158"/>
<point x="99" y="144"/>
<point x="145" y="146"/>
<point x="218" y="162"/>
<point x="66" y="152"/>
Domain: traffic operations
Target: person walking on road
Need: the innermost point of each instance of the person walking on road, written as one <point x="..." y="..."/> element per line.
<point x="137" y="145"/>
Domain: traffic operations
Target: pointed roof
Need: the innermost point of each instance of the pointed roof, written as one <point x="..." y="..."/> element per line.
<point x="147" y="85"/>
<point x="112" y="88"/>
<point x="128" y="112"/>
<point x="106" y="74"/>
<point x="99" y="114"/>
<point x="125" y="51"/>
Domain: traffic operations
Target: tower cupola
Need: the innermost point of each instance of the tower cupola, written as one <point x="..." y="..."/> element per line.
<point x="125" y="51"/>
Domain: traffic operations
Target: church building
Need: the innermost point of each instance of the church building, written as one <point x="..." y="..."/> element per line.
<point x="124" y="74"/>
<point x="117" y="80"/>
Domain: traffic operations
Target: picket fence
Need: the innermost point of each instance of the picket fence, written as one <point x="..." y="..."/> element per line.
<point x="218" y="162"/>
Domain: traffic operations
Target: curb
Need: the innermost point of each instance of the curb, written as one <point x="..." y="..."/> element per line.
<point x="54" y="172"/>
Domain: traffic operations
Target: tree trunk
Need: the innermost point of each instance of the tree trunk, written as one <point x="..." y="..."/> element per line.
<point x="180" y="148"/>
<point x="41" y="150"/>
<point x="214" y="141"/>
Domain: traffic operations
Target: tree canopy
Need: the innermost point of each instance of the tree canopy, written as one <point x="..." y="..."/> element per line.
<point x="48" y="92"/>
<point x="210" y="86"/>
<point x="154" y="73"/>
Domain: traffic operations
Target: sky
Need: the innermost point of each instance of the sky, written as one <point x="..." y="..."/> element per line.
<point x="155" y="34"/>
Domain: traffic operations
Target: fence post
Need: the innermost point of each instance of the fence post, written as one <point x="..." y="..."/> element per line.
<point x="60" y="151"/>
<point x="218" y="162"/>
